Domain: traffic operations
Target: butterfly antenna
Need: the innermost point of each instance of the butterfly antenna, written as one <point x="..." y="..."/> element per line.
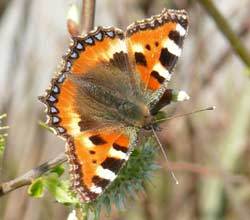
<point x="165" y="155"/>
<point x="185" y="114"/>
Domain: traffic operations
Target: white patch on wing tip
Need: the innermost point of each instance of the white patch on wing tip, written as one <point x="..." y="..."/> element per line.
<point x="162" y="71"/>
<point x="117" y="154"/>
<point x="105" y="173"/>
<point x="172" y="47"/>
<point x="180" y="29"/>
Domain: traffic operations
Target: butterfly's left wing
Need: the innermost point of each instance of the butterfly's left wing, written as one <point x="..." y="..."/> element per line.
<point x="154" y="46"/>
<point x="81" y="109"/>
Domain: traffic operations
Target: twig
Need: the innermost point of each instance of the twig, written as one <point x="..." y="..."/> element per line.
<point x="88" y="15"/>
<point x="27" y="178"/>
<point x="226" y="29"/>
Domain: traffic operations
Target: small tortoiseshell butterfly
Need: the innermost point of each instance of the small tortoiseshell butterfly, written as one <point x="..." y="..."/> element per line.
<point x="110" y="86"/>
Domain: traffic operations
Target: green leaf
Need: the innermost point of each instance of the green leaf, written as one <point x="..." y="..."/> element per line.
<point x="59" y="170"/>
<point x="59" y="189"/>
<point x="36" y="189"/>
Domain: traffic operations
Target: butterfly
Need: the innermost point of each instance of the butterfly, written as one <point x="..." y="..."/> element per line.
<point x="109" y="88"/>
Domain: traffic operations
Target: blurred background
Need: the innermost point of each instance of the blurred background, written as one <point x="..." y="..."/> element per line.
<point x="209" y="152"/>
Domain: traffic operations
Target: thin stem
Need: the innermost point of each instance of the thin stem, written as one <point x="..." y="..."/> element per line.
<point x="27" y="178"/>
<point x="226" y="29"/>
<point x="88" y="15"/>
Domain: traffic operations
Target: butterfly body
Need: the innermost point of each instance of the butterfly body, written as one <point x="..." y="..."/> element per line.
<point x="113" y="97"/>
<point x="110" y="86"/>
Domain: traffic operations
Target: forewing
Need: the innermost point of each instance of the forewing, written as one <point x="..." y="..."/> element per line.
<point x="155" y="45"/>
<point x="101" y="56"/>
<point x="103" y="45"/>
<point x="96" y="157"/>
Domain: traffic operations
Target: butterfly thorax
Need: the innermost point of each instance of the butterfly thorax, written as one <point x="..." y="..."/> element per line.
<point x="135" y="113"/>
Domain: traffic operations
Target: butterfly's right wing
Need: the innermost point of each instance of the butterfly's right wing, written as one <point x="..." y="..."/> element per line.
<point x="154" y="45"/>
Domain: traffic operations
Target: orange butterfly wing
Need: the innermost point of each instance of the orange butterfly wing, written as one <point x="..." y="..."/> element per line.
<point x="96" y="158"/>
<point x="155" y="45"/>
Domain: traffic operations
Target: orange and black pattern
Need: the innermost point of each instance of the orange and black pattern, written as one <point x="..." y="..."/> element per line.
<point x="156" y="44"/>
<point x="108" y="64"/>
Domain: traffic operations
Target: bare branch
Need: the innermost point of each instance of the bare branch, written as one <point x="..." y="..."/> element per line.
<point x="88" y="15"/>
<point x="27" y="178"/>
